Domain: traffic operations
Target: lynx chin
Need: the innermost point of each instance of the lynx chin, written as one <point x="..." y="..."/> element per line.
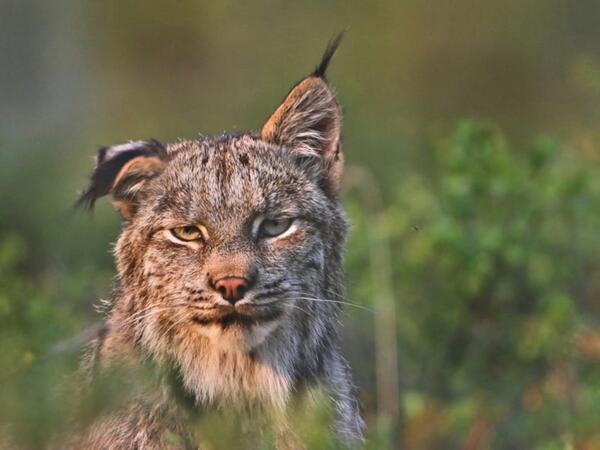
<point x="229" y="276"/>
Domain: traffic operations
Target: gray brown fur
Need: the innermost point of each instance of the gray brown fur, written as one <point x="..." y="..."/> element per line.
<point x="283" y="338"/>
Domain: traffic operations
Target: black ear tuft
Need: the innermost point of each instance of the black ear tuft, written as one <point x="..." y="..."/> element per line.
<point x="110" y="162"/>
<point x="329" y="52"/>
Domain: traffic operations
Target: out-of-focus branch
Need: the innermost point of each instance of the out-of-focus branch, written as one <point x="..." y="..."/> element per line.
<point x="95" y="331"/>
<point x="387" y="373"/>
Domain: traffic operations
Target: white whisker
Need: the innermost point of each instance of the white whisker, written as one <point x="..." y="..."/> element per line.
<point x="340" y="302"/>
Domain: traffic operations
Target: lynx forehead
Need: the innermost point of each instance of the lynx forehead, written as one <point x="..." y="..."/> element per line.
<point x="222" y="183"/>
<point x="230" y="260"/>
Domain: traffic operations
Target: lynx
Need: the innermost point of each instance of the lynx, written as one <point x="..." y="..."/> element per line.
<point x="229" y="272"/>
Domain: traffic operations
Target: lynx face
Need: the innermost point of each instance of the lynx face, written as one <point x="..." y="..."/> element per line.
<point x="229" y="239"/>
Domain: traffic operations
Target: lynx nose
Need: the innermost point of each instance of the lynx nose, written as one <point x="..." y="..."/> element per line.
<point x="232" y="289"/>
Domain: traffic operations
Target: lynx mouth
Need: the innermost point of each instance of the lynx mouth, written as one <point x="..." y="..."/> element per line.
<point x="240" y="318"/>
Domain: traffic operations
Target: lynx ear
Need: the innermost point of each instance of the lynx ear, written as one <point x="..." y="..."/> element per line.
<point x="123" y="171"/>
<point x="309" y="121"/>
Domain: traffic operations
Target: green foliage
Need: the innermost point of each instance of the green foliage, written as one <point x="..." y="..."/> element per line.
<point x="40" y="321"/>
<point x="495" y="259"/>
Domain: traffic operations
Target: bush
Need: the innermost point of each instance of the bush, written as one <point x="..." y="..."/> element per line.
<point x="495" y="262"/>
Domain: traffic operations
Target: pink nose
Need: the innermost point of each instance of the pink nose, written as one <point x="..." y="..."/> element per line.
<point x="232" y="289"/>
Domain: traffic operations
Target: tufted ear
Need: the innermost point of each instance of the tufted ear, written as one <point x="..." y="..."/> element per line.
<point x="123" y="171"/>
<point x="309" y="121"/>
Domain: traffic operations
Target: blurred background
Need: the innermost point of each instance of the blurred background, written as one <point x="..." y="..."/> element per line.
<point x="473" y="186"/>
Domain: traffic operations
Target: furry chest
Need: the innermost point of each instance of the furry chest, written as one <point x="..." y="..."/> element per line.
<point x="218" y="376"/>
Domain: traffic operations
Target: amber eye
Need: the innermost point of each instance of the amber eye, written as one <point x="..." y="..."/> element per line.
<point x="187" y="233"/>
<point x="274" y="227"/>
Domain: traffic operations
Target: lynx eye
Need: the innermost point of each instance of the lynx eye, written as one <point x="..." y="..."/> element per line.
<point x="274" y="227"/>
<point x="187" y="233"/>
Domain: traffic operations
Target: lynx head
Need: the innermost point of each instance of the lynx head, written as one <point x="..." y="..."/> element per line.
<point x="229" y="237"/>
